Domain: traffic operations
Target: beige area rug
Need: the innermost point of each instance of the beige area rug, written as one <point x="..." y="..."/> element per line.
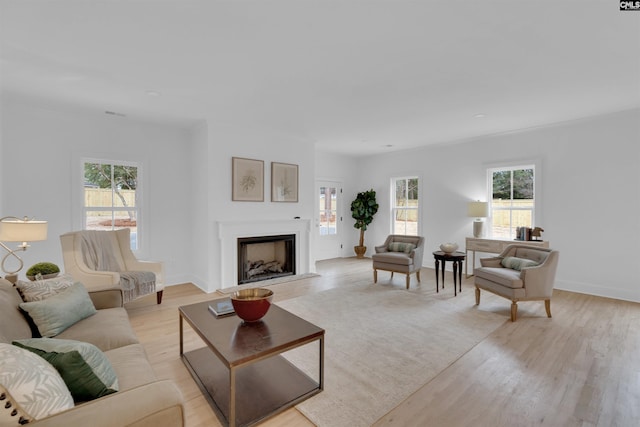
<point x="382" y="343"/>
<point x="268" y="282"/>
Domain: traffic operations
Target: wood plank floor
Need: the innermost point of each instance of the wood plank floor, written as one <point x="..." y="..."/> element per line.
<point x="581" y="368"/>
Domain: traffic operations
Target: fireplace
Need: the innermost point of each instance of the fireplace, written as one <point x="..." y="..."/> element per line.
<point x="266" y="257"/>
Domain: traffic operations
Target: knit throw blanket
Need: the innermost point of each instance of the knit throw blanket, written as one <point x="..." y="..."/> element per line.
<point x="97" y="253"/>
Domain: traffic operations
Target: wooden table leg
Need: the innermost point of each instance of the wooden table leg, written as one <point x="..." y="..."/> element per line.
<point x="437" y="290"/>
<point x="460" y="275"/>
<point x="443" y="263"/>
<point x="455" y="275"/>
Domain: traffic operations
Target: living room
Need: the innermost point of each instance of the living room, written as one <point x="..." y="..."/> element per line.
<point x="585" y="157"/>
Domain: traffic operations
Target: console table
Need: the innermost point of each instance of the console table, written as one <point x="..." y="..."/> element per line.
<point x="494" y="246"/>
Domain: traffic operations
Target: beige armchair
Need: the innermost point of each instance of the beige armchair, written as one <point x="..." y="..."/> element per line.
<point x="102" y="259"/>
<point x="519" y="273"/>
<point x="399" y="254"/>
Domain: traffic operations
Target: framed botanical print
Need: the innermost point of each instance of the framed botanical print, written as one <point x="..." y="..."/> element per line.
<point x="284" y="182"/>
<point x="247" y="180"/>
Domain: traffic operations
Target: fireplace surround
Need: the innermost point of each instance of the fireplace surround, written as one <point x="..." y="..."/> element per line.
<point x="266" y="257"/>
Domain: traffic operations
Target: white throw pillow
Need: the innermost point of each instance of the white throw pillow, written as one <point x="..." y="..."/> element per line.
<point x="35" y="385"/>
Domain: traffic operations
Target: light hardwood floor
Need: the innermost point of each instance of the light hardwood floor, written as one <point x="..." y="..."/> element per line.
<point x="580" y="368"/>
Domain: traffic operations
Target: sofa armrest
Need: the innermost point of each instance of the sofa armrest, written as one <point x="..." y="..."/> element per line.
<point x="156" y="404"/>
<point x="107" y="296"/>
<point x="491" y="262"/>
<point x="381" y="248"/>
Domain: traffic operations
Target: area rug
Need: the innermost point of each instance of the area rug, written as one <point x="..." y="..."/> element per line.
<point x="381" y="345"/>
<point x="267" y="282"/>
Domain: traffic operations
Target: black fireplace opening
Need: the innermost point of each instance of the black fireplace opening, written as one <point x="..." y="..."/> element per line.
<point x="266" y="257"/>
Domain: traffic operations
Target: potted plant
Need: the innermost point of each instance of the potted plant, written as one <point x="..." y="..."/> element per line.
<point x="48" y="270"/>
<point x="363" y="208"/>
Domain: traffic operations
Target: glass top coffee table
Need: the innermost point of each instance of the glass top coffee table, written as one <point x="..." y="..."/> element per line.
<point x="241" y="371"/>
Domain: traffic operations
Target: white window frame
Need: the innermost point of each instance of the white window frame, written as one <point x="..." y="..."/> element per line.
<point x="519" y="165"/>
<point x="139" y="208"/>
<point x="394" y="208"/>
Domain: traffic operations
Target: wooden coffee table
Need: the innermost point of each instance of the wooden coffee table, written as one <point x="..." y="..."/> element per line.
<point x="241" y="371"/>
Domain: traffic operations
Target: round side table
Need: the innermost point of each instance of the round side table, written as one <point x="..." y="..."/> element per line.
<point x="458" y="260"/>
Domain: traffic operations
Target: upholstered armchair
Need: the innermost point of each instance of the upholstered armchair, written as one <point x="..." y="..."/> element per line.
<point x="102" y="259"/>
<point x="519" y="273"/>
<point x="399" y="254"/>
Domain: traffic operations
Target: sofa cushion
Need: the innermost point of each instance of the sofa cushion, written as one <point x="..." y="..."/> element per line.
<point x="33" y="382"/>
<point x="11" y="412"/>
<point x="38" y="290"/>
<point x="14" y="325"/>
<point x="84" y="368"/>
<point x="131" y="366"/>
<point x="55" y="314"/>
<point x="107" y="329"/>
<point x="398" y="258"/>
<point x="401" y="247"/>
<point x="516" y="263"/>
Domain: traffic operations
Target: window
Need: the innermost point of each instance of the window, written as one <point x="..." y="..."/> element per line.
<point x="512" y="200"/>
<point x="111" y="194"/>
<point x="404" y="209"/>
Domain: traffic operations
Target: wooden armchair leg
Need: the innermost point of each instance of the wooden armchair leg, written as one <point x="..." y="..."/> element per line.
<point x="547" y="306"/>
<point x="408" y="279"/>
<point x="418" y="275"/>
<point x="477" y="296"/>
<point x="159" y="296"/>
<point x="375" y="276"/>
<point x="514" y="310"/>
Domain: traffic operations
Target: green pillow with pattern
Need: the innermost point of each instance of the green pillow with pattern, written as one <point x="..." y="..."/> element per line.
<point x="401" y="247"/>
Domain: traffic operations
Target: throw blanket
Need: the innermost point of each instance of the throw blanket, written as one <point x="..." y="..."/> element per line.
<point x="97" y="251"/>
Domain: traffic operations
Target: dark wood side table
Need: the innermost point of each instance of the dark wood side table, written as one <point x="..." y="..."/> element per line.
<point x="458" y="260"/>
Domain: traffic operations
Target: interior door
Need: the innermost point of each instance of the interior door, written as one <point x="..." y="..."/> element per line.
<point x="328" y="219"/>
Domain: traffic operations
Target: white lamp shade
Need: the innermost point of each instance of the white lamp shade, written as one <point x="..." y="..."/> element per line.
<point x="23" y="231"/>
<point x="478" y="209"/>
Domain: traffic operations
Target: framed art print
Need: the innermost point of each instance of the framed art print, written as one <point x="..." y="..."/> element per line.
<point x="247" y="180"/>
<point x="284" y="182"/>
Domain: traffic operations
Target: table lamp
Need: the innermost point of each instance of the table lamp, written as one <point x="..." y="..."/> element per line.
<point x="478" y="210"/>
<point x="14" y="229"/>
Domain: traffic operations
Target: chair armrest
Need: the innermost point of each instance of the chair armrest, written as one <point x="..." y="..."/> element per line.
<point x="156" y="404"/>
<point x="491" y="262"/>
<point x="381" y="248"/>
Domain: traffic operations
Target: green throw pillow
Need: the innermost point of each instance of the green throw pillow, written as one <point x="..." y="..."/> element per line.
<point x="57" y="313"/>
<point x="515" y="263"/>
<point x="401" y="247"/>
<point x="85" y="369"/>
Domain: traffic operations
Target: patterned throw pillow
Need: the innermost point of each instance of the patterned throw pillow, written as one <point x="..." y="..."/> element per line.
<point x="32" y="382"/>
<point x="84" y="368"/>
<point x="11" y="413"/>
<point x="55" y="314"/>
<point x="401" y="247"/>
<point x="38" y="290"/>
<point x="518" y="264"/>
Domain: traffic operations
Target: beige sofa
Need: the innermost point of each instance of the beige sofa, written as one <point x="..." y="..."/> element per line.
<point x="142" y="399"/>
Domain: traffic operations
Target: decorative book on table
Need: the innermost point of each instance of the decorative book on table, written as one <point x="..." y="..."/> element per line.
<point x="221" y="307"/>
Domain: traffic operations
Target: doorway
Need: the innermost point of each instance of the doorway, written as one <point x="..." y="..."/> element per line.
<point x="328" y="219"/>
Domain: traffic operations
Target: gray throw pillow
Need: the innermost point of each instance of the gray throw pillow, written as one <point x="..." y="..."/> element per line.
<point x="57" y="313"/>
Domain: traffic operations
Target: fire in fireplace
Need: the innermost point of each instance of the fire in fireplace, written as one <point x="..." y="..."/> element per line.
<point x="266" y="257"/>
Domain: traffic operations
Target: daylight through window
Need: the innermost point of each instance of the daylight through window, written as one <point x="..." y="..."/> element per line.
<point x="405" y="206"/>
<point x="512" y="200"/>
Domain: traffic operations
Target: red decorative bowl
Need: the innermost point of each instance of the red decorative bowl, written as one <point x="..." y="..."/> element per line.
<point x="251" y="304"/>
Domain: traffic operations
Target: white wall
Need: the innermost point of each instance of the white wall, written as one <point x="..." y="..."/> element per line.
<point x="588" y="200"/>
<point x="41" y="150"/>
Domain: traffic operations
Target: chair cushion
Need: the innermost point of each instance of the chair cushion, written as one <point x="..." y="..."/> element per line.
<point x="516" y="263"/>
<point x="502" y="276"/>
<point x="400" y="258"/>
<point x="401" y="247"/>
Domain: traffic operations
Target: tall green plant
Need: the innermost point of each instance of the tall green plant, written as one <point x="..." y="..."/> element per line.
<point x="363" y="208"/>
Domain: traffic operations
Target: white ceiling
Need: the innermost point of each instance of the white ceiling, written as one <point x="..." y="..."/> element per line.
<point x="353" y="76"/>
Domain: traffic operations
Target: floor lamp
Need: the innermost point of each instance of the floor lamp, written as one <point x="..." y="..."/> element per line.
<point x="14" y="229"/>
<point x="478" y="210"/>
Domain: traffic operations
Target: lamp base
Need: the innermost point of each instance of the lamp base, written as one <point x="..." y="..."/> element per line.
<point x="478" y="228"/>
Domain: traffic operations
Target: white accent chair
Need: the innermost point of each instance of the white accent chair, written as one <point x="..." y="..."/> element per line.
<point x="399" y="254"/>
<point x="119" y="251"/>
<point x="519" y="273"/>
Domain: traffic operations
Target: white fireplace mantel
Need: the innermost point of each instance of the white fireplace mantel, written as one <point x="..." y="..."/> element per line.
<point x="230" y="231"/>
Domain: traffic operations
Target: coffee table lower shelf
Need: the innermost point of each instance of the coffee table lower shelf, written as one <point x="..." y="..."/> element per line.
<point x="263" y="388"/>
